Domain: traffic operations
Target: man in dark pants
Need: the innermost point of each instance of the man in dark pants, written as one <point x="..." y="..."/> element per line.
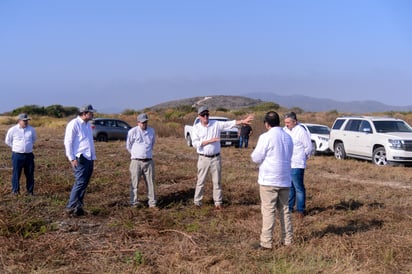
<point x="80" y="151"/>
<point x="21" y="139"/>
<point x="244" y="133"/>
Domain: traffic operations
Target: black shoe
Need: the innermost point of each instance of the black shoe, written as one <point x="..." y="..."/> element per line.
<point x="79" y="211"/>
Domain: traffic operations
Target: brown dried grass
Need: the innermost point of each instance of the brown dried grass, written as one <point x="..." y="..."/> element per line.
<point x="359" y="216"/>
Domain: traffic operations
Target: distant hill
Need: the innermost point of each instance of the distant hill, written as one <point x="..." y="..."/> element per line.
<point x="317" y="105"/>
<point x="309" y="104"/>
<point x="212" y="101"/>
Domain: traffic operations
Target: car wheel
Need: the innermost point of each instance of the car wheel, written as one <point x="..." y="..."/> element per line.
<point x="340" y="153"/>
<point x="313" y="152"/>
<point x="102" y="137"/>
<point x="379" y="157"/>
<point x="189" y="141"/>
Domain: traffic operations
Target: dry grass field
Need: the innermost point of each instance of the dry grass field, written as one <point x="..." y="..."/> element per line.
<point x="359" y="216"/>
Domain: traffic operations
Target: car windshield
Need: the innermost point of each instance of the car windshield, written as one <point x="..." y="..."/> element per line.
<point x="392" y="126"/>
<point x="318" y="129"/>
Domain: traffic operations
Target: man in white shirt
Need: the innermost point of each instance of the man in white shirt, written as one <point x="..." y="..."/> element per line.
<point x="206" y="140"/>
<point x="273" y="153"/>
<point x="140" y="142"/>
<point x="21" y="139"/>
<point x="301" y="153"/>
<point x="79" y="146"/>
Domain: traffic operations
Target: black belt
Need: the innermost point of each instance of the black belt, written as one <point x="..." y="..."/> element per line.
<point x="143" y="160"/>
<point x="210" y="156"/>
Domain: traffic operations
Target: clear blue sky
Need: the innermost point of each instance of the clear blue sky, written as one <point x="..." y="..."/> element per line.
<point x="130" y="54"/>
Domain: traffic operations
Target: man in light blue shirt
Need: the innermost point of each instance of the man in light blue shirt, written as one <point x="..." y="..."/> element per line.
<point x="140" y="142"/>
<point x="21" y="139"/>
<point x="273" y="153"/>
<point x="79" y="146"/>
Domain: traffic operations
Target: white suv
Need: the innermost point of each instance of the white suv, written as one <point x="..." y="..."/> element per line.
<point x="319" y="134"/>
<point x="380" y="139"/>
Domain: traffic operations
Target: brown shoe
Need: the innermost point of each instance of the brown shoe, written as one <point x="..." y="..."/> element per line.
<point x="218" y="207"/>
<point x="257" y="246"/>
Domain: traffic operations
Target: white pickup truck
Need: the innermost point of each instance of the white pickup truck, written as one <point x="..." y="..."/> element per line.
<point x="227" y="138"/>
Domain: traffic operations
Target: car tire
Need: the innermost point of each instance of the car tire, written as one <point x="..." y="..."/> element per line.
<point x="339" y="151"/>
<point x="102" y="137"/>
<point x="189" y="141"/>
<point x="313" y="152"/>
<point x="379" y="156"/>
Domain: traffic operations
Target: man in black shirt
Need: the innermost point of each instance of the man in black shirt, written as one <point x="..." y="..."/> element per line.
<point x="244" y="133"/>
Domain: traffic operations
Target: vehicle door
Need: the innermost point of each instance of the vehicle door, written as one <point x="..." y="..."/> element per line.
<point x="365" y="143"/>
<point x="351" y="136"/>
<point x="122" y="129"/>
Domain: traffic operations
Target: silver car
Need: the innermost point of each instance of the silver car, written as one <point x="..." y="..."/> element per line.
<point x="105" y="129"/>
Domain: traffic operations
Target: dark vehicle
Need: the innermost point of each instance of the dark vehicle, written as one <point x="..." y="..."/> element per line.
<point x="105" y="129"/>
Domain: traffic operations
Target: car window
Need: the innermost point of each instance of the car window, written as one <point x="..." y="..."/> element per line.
<point x="122" y="124"/>
<point x="353" y="125"/>
<point x="99" y="122"/>
<point x="392" y="126"/>
<point x="338" y="124"/>
<point x="365" y="126"/>
<point x="110" y="123"/>
<point x="318" y="129"/>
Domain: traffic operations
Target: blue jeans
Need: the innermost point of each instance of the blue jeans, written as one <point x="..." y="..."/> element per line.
<point x="297" y="191"/>
<point x="243" y="140"/>
<point x="82" y="173"/>
<point x="22" y="161"/>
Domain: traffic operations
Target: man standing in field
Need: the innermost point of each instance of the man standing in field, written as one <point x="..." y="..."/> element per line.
<point x="80" y="151"/>
<point x="140" y="142"/>
<point x="301" y="153"/>
<point x="206" y="140"/>
<point x="21" y="139"/>
<point x="244" y="133"/>
<point x="273" y="153"/>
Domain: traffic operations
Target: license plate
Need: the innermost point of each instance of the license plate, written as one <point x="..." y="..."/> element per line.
<point x="228" y="143"/>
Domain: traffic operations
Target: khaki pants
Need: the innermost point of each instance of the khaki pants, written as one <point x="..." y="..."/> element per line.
<point x="204" y="164"/>
<point x="275" y="200"/>
<point x="137" y="169"/>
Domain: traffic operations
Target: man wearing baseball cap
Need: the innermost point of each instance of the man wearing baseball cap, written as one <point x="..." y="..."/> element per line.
<point x="206" y="140"/>
<point x="139" y="143"/>
<point x="79" y="146"/>
<point x="21" y="139"/>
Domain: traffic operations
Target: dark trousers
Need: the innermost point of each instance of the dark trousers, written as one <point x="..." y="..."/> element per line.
<point x="244" y="140"/>
<point x="82" y="174"/>
<point x="22" y="161"/>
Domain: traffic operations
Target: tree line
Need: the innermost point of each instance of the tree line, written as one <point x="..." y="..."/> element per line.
<point x="57" y="111"/>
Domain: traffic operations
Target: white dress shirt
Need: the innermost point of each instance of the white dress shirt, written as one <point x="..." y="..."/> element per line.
<point x="78" y="140"/>
<point x="273" y="153"/>
<point x="201" y="133"/>
<point x="302" y="145"/>
<point x="21" y="140"/>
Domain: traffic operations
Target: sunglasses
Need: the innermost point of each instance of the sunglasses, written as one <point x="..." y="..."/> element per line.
<point x="204" y="114"/>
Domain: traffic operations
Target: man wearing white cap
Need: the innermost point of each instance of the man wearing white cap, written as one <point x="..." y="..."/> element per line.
<point x="139" y="143"/>
<point x="206" y="140"/>
<point x="21" y="139"/>
<point x="79" y="145"/>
